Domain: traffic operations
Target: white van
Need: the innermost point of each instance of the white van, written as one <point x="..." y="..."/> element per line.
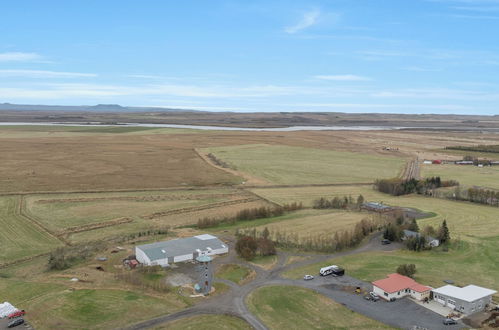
<point x="327" y="270"/>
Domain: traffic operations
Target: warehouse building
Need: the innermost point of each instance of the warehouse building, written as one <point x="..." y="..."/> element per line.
<point x="468" y="300"/>
<point x="178" y="250"/>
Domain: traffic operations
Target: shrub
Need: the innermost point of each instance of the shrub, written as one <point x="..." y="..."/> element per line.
<point x="407" y="270"/>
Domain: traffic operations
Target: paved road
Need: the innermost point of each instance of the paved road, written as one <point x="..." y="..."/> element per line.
<point x="402" y="314"/>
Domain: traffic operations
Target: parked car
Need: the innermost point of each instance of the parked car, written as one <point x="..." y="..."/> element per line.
<point x="386" y="241"/>
<point x="308" y="277"/>
<point x="374" y="296"/>
<point x="449" y="321"/>
<point x="17" y="314"/>
<point x="15" y="323"/>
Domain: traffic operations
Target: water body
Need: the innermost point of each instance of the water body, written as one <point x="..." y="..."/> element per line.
<point x="216" y="128"/>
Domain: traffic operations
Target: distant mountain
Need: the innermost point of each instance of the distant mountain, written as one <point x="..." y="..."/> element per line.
<point x="85" y="108"/>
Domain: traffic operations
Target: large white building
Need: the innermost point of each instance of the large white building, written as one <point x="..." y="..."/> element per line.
<point x="397" y="286"/>
<point x="178" y="250"/>
<point x="468" y="300"/>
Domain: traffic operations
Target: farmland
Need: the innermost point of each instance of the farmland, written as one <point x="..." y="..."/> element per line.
<point x="19" y="237"/>
<point x="282" y="307"/>
<point x="487" y="177"/>
<point x="310" y="166"/>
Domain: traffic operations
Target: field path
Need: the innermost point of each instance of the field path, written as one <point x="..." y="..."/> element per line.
<point x="412" y="170"/>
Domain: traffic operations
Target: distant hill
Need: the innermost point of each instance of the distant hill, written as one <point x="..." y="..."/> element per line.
<point x="80" y="108"/>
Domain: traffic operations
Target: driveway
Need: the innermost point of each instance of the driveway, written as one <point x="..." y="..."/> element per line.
<point x="402" y="313"/>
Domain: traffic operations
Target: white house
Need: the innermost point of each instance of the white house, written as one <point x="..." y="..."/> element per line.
<point x="431" y="241"/>
<point x="397" y="286"/>
<point x="468" y="300"/>
<point x="178" y="250"/>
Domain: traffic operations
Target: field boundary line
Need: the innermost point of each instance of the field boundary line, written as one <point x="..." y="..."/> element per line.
<point x="199" y="208"/>
<point x="21" y="260"/>
<point x="22" y="212"/>
<point x="93" y="226"/>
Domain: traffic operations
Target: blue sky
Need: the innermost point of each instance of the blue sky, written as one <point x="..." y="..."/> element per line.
<point x="410" y="56"/>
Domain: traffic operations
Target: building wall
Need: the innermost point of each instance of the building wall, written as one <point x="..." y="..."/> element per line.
<point x="462" y="306"/>
<point x="387" y="296"/>
<point x="183" y="258"/>
<point x="420" y="295"/>
<point x="142" y="257"/>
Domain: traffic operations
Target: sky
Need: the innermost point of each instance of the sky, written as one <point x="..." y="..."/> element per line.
<point x="392" y="56"/>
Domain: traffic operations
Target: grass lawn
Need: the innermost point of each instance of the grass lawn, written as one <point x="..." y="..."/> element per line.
<point x="466" y="220"/>
<point x="265" y="262"/>
<point x="284" y="307"/>
<point x="466" y="175"/>
<point x="96" y="309"/>
<point x="297" y="165"/>
<point x="235" y="273"/>
<point x="18" y="236"/>
<point x="432" y="266"/>
<point x="207" y="322"/>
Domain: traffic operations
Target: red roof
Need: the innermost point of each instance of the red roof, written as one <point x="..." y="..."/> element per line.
<point x="396" y="282"/>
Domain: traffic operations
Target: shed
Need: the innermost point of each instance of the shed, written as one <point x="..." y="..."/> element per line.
<point x="431" y="241"/>
<point x="178" y="250"/>
<point x="467" y="300"/>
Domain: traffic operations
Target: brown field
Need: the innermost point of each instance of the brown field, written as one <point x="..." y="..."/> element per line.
<point x="152" y="159"/>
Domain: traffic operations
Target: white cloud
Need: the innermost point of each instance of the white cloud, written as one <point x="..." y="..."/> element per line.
<point x="309" y="18"/>
<point x="342" y="77"/>
<point x="19" y="57"/>
<point x="44" y="74"/>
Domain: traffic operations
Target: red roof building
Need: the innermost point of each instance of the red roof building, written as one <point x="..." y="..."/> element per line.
<point x="397" y="286"/>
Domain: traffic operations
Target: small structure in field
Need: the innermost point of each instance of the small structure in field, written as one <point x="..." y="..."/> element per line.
<point x="468" y="300"/>
<point x="427" y="162"/>
<point x="397" y="286"/>
<point x="376" y="207"/>
<point x="437" y="162"/>
<point x="431" y="241"/>
<point x="6" y="309"/>
<point x="178" y="250"/>
<point x="464" y="162"/>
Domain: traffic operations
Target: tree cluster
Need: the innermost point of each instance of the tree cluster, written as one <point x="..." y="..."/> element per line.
<point x="248" y="215"/>
<point x="345" y="202"/>
<point x="407" y="269"/>
<point x="218" y="161"/>
<point x="479" y="148"/>
<point x="483" y="196"/>
<point x="248" y="247"/>
<point x="65" y="257"/>
<point x="397" y="187"/>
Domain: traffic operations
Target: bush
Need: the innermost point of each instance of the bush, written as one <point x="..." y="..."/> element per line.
<point x="246" y="247"/>
<point x="407" y="270"/>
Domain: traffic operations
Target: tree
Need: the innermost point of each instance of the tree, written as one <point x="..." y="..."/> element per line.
<point x="429" y="231"/>
<point x="246" y="247"/>
<point x="413" y="226"/>
<point x="407" y="270"/>
<point x="443" y="233"/>
<point x="392" y="233"/>
<point x="266" y="247"/>
<point x="360" y="201"/>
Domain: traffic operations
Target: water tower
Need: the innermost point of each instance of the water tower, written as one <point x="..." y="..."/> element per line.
<point x="205" y="274"/>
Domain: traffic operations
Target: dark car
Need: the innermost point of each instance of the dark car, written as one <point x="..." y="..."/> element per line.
<point x="15" y="323"/>
<point x="449" y="321"/>
<point x="386" y="241"/>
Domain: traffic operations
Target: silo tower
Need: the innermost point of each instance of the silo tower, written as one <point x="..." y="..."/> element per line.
<point x="205" y="274"/>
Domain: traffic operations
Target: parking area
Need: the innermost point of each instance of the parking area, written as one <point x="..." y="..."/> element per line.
<point x="5" y="321"/>
<point x="403" y="313"/>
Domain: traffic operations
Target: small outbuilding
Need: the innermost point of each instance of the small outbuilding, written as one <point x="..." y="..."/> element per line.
<point x="431" y="241"/>
<point x="467" y="300"/>
<point x="397" y="286"/>
<point x="178" y="250"/>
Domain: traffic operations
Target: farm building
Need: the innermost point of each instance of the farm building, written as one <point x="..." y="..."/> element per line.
<point x="431" y="241"/>
<point x="427" y="162"/>
<point x="437" y="162"/>
<point x="464" y="162"/>
<point x="376" y="207"/>
<point x="178" y="250"/>
<point x="397" y="286"/>
<point x="468" y="300"/>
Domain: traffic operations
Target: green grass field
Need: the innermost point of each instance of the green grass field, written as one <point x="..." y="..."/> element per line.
<point x="53" y="306"/>
<point x="283" y="307"/>
<point x="466" y="220"/>
<point x="235" y="273"/>
<point x="207" y="322"/>
<point x="61" y="211"/>
<point x="466" y="175"/>
<point x="20" y="238"/>
<point x="296" y="165"/>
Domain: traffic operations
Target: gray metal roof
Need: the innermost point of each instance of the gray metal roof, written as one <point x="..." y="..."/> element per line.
<point x="410" y="233"/>
<point x="375" y="205"/>
<point x="181" y="246"/>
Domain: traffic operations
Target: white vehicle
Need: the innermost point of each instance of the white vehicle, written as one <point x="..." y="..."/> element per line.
<point x="308" y="277"/>
<point x="328" y="270"/>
